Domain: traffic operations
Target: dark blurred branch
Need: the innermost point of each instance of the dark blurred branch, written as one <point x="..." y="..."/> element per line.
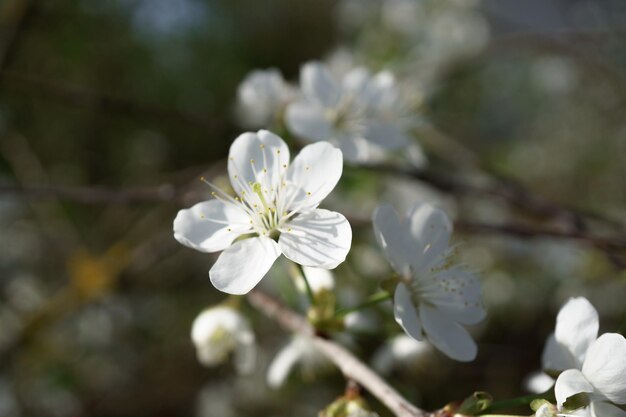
<point x="84" y="98"/>
<point x="14" y="18"/>
<point x="352" y="368"/>
<point x="516" y="195"/>
<point x="169" y="193"/>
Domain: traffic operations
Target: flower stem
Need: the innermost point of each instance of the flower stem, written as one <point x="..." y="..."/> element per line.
<point x="307" y="286"/>
<point x="517" y="402"/>
<point x="379" y="297"/>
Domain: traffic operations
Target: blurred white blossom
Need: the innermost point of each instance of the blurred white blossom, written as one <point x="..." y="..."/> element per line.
<point x="275" y="211"/>
<point x="262" y="97"/>
<point x="399" y="352"/>
<point x="434" y="298"/>
<point x="219" y="331"/>
<point x="364" y="114"/>
<point x="301" y="353"/>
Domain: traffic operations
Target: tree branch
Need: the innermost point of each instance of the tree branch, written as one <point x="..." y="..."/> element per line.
<point x="350" y="365"/>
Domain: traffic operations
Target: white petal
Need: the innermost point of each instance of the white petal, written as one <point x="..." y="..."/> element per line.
<point x="205" y="226"/>
<point x="577" y="327"/>
<point x="282" y="364"/>
<point x="392" y="237"/>
<point x="358" y="150"/>
<point x="257" y="157"/>
<point x="605" y="366"/>
<point x="570" y="383"/>
<point x="538" y="382"/>
<point x="308" y="121"/>
<point x="557" y="357"/>
<point x="447" y="335"/>
<point x="245" y="351"/>
<point x="240" y="267"/>
<point x="313" y="175"/>
<point x="605" y="409"/>
<point x="319" y="278"/>
<point x="431" y="227"/>
<point x="459" y="295"/>
<point x="319" y="238"/>
<point x="386" y="135"/>
<point x="405" y="313"/>
<point x="318" y="84"/>
<point x="355" y="80"/>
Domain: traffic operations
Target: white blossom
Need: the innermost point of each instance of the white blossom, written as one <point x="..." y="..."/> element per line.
<point x="219" y="331"/>
<point x="399" y="352"/>
<point x="262" y="97"/>
<point x="434" y="298"/>
<point x="300" y="352"/>
<point x="363" y="114"/>
<point x="602" y="378"/>
<point x="275" y="211"/>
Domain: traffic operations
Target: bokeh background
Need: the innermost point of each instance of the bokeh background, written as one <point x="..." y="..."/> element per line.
<point x="111" y="110"/>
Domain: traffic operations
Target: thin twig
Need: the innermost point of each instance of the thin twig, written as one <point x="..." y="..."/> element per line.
<point x="350" y="365"/>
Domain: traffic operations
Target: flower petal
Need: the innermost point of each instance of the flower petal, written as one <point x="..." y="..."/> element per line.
<point x="240" y="267"/>
<point x="447" y="335"/>
<point x="245" y="351"/>
<point x="557" y="357"/>
<point x="319" y="238"/>
<point x="605" y="409"/>
<point x="570" y="383"/>
<point x="257" y="157"/>
<point x="282" y="364"/>
<point x="386" y="135"/>
<point x="392" y="237"/>
<point x="431" y="228"/>
<point x="318" y="84"/>
<point x="459" y="295"/>
<point x="358" y="150"/>
<point x="605" y="366"/>
<point x="313" y="175"/>
<point x="210" y="226"/>
<point x="405" y="313"/>
<point x="577" y="327"/>
<point x="308" y="121"/>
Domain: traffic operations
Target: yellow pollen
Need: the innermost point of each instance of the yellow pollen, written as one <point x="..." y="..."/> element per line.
<point x="262" y="146"/>
<point x="252" y="161"/>
<point x="277" y="150"/>
<point x="308" y="193"/>
<point x="229" y="229"/>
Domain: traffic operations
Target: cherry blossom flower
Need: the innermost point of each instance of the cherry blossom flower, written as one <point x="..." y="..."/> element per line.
<point x="275" y="211"/>
<point x="217" y="332"/>
<point x="433" y="298"/>
<point x="262" y="98"/>
<point x="363" y="114"/>
<point x="601" y="381"/>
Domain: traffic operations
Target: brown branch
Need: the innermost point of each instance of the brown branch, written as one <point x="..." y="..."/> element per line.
<point x="352" y="368"/>
<point x="514" y="194"/>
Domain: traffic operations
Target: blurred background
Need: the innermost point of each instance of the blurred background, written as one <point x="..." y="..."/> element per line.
<point x="111" y="110"/>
